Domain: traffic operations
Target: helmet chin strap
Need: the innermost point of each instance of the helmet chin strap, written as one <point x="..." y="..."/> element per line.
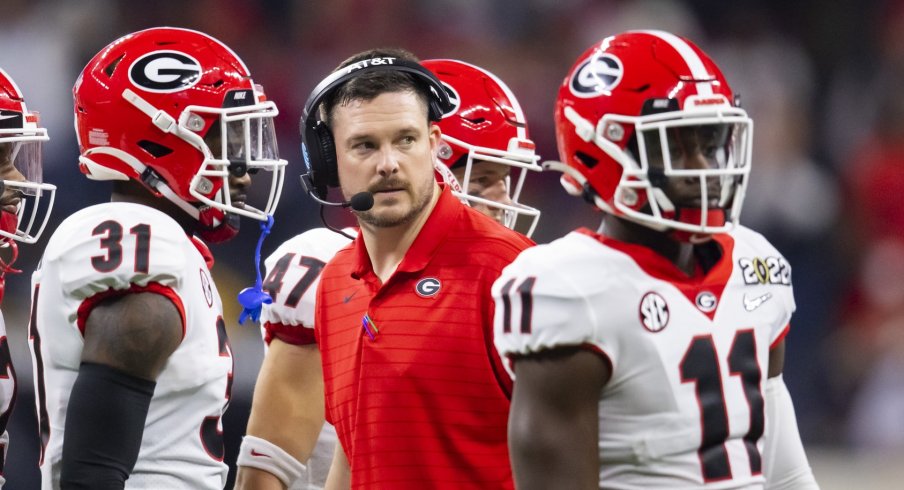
<point x="217" y="226"/>
<point x="447" y="175"/>
<point x="8" y="221"/>
<point x="715" y="217"/>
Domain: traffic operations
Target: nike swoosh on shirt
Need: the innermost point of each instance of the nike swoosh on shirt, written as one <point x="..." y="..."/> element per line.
<point x="349" y="297"/>
<point x="754" y="303"/>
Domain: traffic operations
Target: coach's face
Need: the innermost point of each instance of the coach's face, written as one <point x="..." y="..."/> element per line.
<point x="386" y="146"/>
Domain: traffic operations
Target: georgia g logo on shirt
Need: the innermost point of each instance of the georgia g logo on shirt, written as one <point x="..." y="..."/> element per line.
<point x="165" y="71"/>
<point x="427" y="287"/>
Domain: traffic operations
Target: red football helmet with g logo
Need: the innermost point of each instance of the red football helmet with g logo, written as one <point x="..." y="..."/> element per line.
<point x="26" y="201"/>
<point x="624" y="116"/>
<point x="486" y="124"/>
<point x="176" y="110"/>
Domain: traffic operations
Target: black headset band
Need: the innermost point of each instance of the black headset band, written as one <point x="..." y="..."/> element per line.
<point x="386" y="63"/>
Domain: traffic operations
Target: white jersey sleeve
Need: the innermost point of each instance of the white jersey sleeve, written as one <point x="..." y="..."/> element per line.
<point x="7" y="394"/>
<point x="292" y="276"/>
<point x="538" y="304"/>
<point x="115" y="256"/>
<point x="761" y="265"/>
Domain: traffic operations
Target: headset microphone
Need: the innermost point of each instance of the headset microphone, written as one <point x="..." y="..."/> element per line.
<point x="361" y="201"/>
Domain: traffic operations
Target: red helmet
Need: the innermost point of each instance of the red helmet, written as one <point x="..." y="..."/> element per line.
<point x="617" y="112"/>
<point x="485" y="123"/>
<point x="26" y="201"/>
<point x="144" y="105"/>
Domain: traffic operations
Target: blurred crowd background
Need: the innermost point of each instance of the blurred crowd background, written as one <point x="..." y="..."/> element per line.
<point x="822" y="81"/>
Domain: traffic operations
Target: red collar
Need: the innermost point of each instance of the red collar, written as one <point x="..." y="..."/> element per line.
<point x="203" y="250"/>
<point x="663" y="269"/>
<point x="660" y="267"/>
<point x="428" y="240"/>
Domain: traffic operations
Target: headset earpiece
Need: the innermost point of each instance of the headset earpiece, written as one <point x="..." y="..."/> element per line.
<point x="327" y="147"/>
<point x="437" y="105"/>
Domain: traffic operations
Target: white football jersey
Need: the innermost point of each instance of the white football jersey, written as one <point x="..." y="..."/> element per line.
<point x="689" y="356"/>
<point x="7" y="394"/>
<point x="107" y="249"/>
<point x="293" y="273"/>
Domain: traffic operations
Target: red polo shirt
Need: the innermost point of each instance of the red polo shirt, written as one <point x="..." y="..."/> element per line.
<point x="424" y="402"/>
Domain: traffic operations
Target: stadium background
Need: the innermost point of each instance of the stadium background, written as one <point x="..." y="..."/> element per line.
<point x="821" y="79"/>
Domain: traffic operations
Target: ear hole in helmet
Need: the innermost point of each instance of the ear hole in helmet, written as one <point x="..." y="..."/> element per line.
<point x="460" y="161"/>
<point x="156" y="150"/>
<point x="588" y="194"/>
<point x="632" y="148"/>
<point x="586" y="160"/>
<point x="109" y="69"/>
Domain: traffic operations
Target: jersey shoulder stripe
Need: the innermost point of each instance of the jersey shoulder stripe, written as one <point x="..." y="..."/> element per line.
<point x="543" y="297"/>
<point x="292" y="276"/>
<point x="116" y="245"/>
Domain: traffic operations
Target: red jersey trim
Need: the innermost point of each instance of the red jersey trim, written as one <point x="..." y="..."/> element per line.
<point x="512" y="358"/>
<point x="601" y="353"/>
<point x="663" y="269"/>
<point x="88" y="304"/>
<point x="781" y="336"/>
<point x="290" y="334"/>
<point x="203" y="250"/>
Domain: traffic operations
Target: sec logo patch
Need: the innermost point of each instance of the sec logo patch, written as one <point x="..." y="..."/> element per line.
<point x="206" y="288"/>
<point x="654" y="312"/>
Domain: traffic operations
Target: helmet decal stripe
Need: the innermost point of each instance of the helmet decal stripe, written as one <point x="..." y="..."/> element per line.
<point x="522" y="131"/>
<point x="12" y="83"/>
<point x="219" y="43"/>
<point x="694" y="63"/>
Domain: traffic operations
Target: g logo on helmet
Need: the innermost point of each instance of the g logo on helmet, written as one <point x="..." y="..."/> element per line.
<point x="454" y="99"/>
<point x="165" y="71"/>
<point x="600" y="73"/>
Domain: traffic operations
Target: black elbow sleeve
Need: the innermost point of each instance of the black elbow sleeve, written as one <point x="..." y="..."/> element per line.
<point x="104" y="425"/>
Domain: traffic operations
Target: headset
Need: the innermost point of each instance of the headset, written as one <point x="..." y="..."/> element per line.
<point x="318" y="147"/>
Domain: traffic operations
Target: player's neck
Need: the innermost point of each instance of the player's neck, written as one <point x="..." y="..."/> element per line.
<point x="681" y="254"/>
<point x="133" y="192"/>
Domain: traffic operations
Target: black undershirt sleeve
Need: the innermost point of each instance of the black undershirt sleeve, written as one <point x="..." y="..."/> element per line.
<point x="104" y="425"/>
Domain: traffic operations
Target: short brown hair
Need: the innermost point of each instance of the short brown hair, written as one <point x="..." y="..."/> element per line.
<point x="369" y="85"/>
